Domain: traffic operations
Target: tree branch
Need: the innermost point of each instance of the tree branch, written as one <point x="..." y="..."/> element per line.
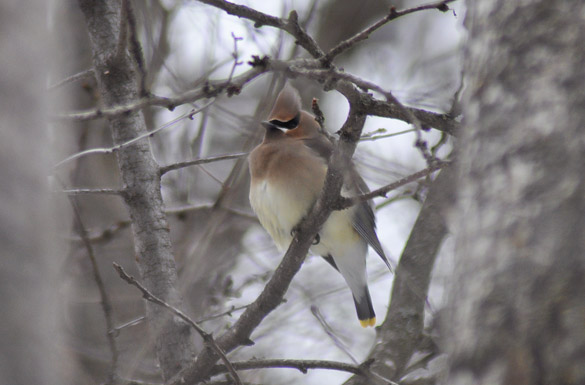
<point x="208" y="338"/>
<point x="332" y="78"/>
<point x="73" y="78"/>
<point x="302" y="365"/>
<point x="345" y="84"/>
<point x="105" y="299"/>
<point x="120" y="225"/>
<point x="176" y="166"/>
<point x="344" y="202"/>
<point x="371" y="136"/>
<point x="87" y="191"/>
<point x="211" y="89"/>
<point x="363" y="35"/>
<point x="290" y="25"/>
<point x="129" y="142"/>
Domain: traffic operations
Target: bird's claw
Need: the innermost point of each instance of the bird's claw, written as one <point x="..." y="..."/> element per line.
<point x="317" y="239"/>
<point x="296" y="229"/>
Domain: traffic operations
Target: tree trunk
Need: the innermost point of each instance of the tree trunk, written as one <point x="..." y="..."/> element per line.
<point x="517" y="306"/>
<point x="118" y="83"/>
<point x="29" y="262"/>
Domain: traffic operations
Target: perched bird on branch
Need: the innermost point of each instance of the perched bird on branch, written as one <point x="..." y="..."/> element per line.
<point x="288" y="172"/>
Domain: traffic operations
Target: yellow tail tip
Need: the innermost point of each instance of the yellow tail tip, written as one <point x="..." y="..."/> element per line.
<point x="368" y="322"/>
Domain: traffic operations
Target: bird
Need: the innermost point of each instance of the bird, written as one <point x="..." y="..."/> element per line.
<point x="287" y="175"/>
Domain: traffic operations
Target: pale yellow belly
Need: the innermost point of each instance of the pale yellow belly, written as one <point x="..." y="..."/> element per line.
<point x="279" y="209"/>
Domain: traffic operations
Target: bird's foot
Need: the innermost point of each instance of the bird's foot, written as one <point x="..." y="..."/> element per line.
<point x="317" y="239"/>
<point x="296" y="229"/>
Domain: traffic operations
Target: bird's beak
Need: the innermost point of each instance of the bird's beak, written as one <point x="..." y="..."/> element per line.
<point x="266" y="124"/>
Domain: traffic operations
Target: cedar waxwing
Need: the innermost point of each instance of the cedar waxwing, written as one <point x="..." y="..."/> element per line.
<point x="287" y="174"/>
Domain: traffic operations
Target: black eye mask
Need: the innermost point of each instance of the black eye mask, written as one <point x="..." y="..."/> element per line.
<point x="289" y="125"/>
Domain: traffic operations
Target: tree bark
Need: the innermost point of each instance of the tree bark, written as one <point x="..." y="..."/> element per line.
<point x="517" y="306"/>
<point x="118" y="83"/>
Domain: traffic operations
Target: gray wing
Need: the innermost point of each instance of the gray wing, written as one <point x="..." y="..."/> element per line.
<point x="364" y="221"/>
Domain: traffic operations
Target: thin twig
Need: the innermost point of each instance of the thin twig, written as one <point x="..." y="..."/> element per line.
<point x="208" y="338"/>
<point x="236" y="56"/>
<point x="209" y="90"/>
<point x="363" y="35"/>
<point x="366" y="138"/>
<point x="104" y="298"/>
<point x="73" y="78"/>
<point x="148" y="134"/>
<point x="87" y="191"/>
<point x="290" y="25"/>
<point x="120" y="225"/>
<point x="331" y="333"/>
<point x="116" y="330"/>
<point x="127" y="381"/>
<point x="344" y="203"/>
<point x="302" y="365"/>
<point x="404" y="195"/>
<point x="176" y="166"/>
<point x="304" y="67"/>
<point x="320" y="118"/>
<point x="222" y="314"/>
<point x="106" y="233"/>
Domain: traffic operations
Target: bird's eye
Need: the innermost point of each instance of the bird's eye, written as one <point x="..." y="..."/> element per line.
<point x="289" y="125"/>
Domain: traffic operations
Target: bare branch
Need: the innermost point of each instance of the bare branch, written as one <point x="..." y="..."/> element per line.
<point x="116" y="330"/>
<point x="148" y="134"/>
<point x="87" y="191"/>
<point x="176" y="166"/>
<point x="290" y="25"/>
<point x="236" y="56"/>
<point x="302" y="67"/>
<point x="106" y="233"/>
<point x="208" y="338"/>
<point x="127" y="381"/>
<point x="372" y="137"/>
<point x="231" y="210"/>
<point x="120" y="225"/>
<point x="391" y="108"/>
<point x="73" y="78"/>
<point x="390" y="98"/>
<point x="363" y="35"/>
<point x="302" y="365"/>
<point x="211" y="89"/>
<point x="222" y="314"/>
<point x="344" y="203"/>
<point x="104" y="298"/>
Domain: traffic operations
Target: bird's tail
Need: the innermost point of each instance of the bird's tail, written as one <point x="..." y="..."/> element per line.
<point x="364" y="308"/>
